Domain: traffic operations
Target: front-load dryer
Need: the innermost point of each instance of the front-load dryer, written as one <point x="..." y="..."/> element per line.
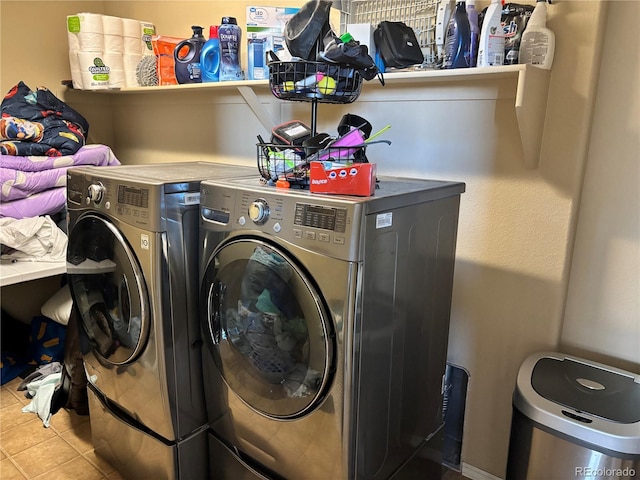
<point x="326" y="321"/>
<point x="132" y="264"/>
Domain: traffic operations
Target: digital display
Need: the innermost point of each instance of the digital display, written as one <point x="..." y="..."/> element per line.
<point x="136" y="197"/>
<point x="325" y="218"/>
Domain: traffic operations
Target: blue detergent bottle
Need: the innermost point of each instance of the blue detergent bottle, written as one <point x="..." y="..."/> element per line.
<point x="472" y="13"/>
<point x="458" y="39"/>
<point x="230" y="35"/>
<point x="210" y="57"/>
<point x="187" y="58"/>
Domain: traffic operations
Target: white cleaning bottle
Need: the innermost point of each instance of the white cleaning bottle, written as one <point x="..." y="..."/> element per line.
<point x="491" y="48"/>
<point x="445" y="7"/>
<point x="538" y="43"/>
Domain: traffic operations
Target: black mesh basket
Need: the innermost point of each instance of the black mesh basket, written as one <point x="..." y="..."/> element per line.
<point x="292" y="164"/>
<point x="304" y="81"/>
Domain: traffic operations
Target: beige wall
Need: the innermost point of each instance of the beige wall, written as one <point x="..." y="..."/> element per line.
<point x="517" y="225"/>
<point x="602" y="317"/>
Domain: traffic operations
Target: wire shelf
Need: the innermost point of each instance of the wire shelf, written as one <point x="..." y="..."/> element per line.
<point x="420" y="15"/>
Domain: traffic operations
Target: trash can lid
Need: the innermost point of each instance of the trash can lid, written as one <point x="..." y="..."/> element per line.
<point x="587" y="388"/>
<point x="590" y="402"/>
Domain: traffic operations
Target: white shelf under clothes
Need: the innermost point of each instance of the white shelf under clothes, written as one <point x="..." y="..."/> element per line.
<point x="17" y="272"/>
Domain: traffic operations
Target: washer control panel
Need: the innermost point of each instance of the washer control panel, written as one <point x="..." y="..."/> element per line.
<point x="127" y="201"/>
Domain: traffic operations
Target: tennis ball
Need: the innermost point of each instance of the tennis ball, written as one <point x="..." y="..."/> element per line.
<point x="288" y="86"/>
<point x="326" y="86"/>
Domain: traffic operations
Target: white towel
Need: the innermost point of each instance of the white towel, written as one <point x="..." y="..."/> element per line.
<point x="34" y="239"/>
<point x="42" y="392"/>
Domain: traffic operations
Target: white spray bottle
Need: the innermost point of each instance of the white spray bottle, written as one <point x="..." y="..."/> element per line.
<point x="445" y="8"/>
<point x="538" y="43"/>
<point x="491" y="47"/>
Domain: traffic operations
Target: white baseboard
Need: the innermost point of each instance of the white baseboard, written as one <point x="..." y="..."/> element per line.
<point x="474" y="473"/>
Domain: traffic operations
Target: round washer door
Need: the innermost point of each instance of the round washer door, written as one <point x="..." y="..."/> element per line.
<point x="267" y="328"/>
<point x="108" y="289"/>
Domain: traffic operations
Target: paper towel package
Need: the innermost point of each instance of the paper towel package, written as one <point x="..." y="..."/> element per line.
<point x="148" y="30"/>
<point x="85" y="32"/>
<point x="131" y="62"/>
<point x="95" y="74"/>
<point x="104" y="50"/>
<point x="76" y="75"/>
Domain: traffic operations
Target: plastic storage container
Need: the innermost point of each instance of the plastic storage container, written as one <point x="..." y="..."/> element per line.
<point x="573" y="418"/>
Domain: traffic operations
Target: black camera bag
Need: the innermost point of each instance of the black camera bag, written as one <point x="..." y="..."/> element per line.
<point x="397" y="44"/>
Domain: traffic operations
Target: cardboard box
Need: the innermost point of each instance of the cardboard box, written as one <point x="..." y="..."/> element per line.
<point x="265" y="31"/>
<point x="343" y="179"/>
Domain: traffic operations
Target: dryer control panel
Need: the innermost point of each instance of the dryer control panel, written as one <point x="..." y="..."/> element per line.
<point x="322" y="225"/>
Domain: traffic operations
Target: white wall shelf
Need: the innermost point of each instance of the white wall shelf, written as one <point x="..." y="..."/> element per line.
<point x="530" y="98"/>
<point x="17" y="272"/>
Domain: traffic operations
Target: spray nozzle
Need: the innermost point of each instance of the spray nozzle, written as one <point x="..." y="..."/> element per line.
<point x="197" y="31"/>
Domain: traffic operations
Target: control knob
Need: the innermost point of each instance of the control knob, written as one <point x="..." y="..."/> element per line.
<point x="95" y="192"/>
<point x="259" y="211"/>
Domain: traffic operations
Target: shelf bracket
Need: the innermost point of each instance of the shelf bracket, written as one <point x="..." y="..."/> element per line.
<point x="268" y="122"/>
<point x="531" y="108"/>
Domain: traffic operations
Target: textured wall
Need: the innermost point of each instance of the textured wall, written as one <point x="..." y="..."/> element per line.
<point x="517" y="225"/>
<point x="603" y="303"/>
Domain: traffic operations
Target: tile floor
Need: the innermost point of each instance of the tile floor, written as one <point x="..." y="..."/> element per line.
<point x="63" y="451"/>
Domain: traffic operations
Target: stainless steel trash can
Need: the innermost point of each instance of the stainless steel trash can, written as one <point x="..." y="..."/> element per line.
<point x="574" y="419"/>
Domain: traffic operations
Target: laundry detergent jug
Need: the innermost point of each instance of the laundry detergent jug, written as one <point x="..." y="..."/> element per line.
<point x="187" y="58"/>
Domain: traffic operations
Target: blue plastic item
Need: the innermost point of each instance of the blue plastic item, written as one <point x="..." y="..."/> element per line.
<point x="458" y="39"/>
<point x="210" y="57"/>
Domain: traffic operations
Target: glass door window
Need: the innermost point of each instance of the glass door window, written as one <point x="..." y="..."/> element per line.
<point x="267" y="328"/>
<point x="108" y="289"/>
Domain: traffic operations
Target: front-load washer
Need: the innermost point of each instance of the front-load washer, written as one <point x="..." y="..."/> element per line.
<point x="326" y="321"/>
<point x="132" y="264"/>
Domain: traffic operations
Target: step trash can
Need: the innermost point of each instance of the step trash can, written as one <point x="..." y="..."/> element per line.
<point x="574" y="419"/>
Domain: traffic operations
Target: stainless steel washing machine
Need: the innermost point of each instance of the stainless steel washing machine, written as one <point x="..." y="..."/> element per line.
<point x="326" y="321"/>
<point x="132" y="263"/>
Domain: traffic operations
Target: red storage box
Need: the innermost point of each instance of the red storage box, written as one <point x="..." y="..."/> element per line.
<point x="342" y="179"/>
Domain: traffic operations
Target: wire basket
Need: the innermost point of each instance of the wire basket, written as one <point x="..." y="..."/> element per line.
<point x="276" y="162"/>
<point x="314" y="81"/>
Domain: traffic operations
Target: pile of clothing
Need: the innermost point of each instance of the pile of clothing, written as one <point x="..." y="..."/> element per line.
<point x="40" y="138"/>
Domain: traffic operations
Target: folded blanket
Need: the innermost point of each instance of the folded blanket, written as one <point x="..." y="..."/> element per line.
<point x="48" y="202"/>
<point x="17" y="184"/>
<point x="21" y="177"/>
<point x="94" y="154"/>
<point x="39" y="123"/>
<point x="36" y="185"/>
